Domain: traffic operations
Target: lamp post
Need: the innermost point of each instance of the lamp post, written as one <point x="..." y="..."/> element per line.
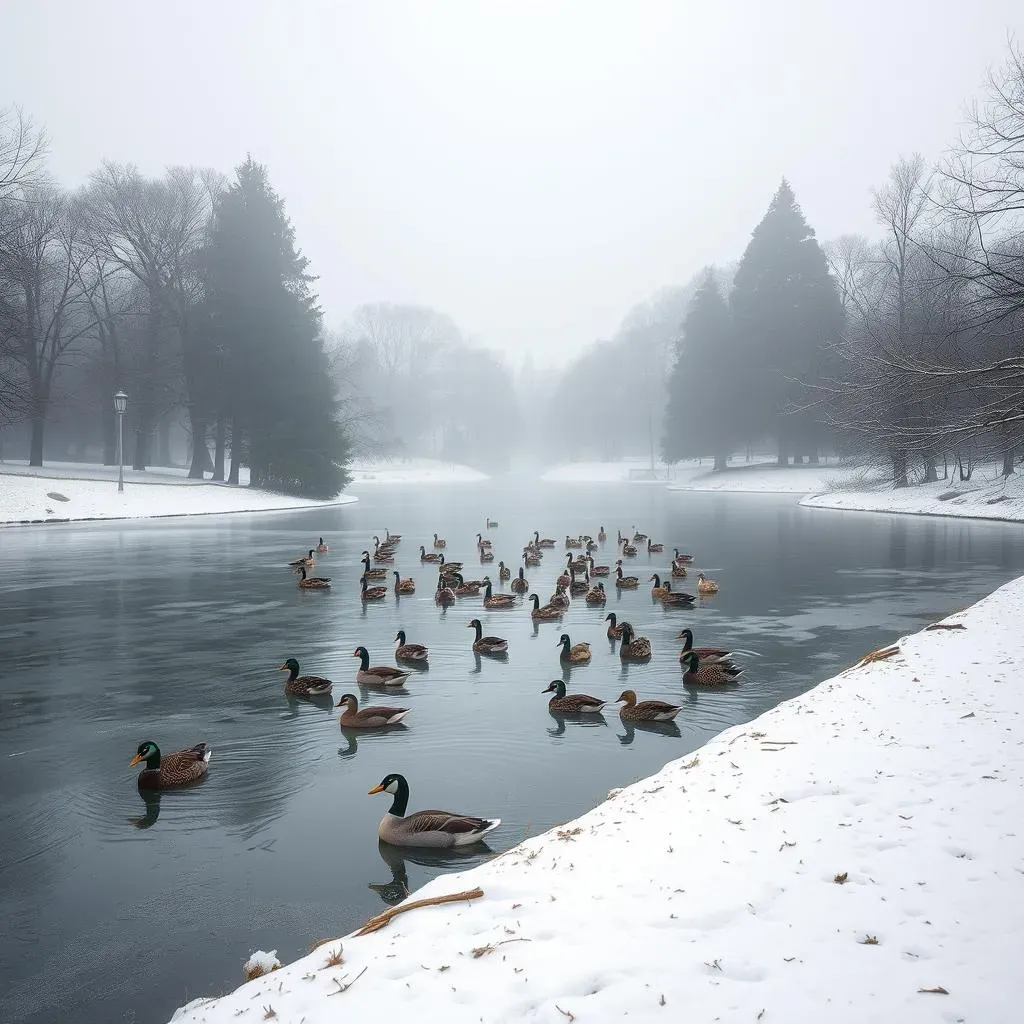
<point x="120" y="404"/>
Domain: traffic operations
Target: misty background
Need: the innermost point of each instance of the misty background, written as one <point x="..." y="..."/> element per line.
<point x="509" y="212"/>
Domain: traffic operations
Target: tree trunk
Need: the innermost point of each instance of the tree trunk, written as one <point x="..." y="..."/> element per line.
<point x="218" y="458"/>
<point x="721" y="462"/>
<point x="35" y="456"/>
<point x="140" y="458"/>
<point x="1008" y="460"/>
<point x="109" y="438"/>
<point x="899" y="468"/>
<point x="798" y="460"/>
<point x="783" y="450"/>
<point x="236" y="452"/>
<point x="930" y="475"/>
<point x="164" y="437"/>
<point x="200" y="454"/>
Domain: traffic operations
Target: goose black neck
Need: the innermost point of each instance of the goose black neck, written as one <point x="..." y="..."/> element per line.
<point x="365" y="584"/>
<point x="536" y="601"/>
<point x="478" y="629"/>
<point x="401" y="801"/>
<point x="401" y="637"/>
<point x="565" y="642"/>
<point x="687" y="635"/>
<point x="610" y="617"/>
<point x="657" y="580"/>
<point x="520" y="572"/>
<point x="559" y="688"/>
<point x="364" y="659"/>
<point x="627" y="633"/>
<point x="293" y="672"/>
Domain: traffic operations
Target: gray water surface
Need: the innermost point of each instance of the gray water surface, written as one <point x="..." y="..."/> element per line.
<point x="115" y="909"/>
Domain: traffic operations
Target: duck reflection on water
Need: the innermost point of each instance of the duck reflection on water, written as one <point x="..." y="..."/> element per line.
<point x="435" y="861"/>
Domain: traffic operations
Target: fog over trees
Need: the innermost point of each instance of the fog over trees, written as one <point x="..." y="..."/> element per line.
<point x="189" y="291"/>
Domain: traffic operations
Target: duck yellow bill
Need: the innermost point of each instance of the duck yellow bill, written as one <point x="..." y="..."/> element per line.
<point x="376" y="789"/>
<point x="281" y="668"/>
<point x="134" y="761"/>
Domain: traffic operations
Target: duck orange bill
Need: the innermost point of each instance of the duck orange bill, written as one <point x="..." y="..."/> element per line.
<point x="281" y="668"/>
<point x="135" y="760"/>
<point x="376" y="789"/>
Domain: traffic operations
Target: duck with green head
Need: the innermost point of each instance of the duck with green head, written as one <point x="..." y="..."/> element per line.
<point x="178" y="768"/>
<point x="303" y="686"/>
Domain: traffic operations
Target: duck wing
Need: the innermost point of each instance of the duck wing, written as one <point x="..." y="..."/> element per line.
<point x="310" y="684"/>
<point x="446" y="821"/>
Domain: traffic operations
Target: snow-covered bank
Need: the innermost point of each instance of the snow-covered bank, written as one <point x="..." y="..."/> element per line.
<point x="764" y="477"/>
<point x="618" y="471"/>
<point x="412" y="471"/>
<point x="70" y="492"/>
<point x="986" y="496"/>
<point x="852" y="856"/>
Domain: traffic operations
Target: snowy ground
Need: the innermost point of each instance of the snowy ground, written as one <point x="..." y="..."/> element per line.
<point x="760" y="474"/>
<point x="411" y="471"/>
<point x="28" y="496"/>
<point x="854" y="856"/>
<point x="987" y="495"/>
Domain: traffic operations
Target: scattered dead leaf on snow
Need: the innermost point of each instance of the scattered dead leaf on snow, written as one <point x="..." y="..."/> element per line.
<point x="840" y="879"/>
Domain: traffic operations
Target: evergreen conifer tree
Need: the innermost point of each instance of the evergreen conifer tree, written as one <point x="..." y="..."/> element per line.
<point x="787" y="314"/>
<point x="262" y="316"/>
<point x="699" y="418"/>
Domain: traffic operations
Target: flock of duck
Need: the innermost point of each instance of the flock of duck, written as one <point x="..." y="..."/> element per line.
<point x="580" y="578"/>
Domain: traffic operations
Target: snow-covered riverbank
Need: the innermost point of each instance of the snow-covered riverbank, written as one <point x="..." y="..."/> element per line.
<point x="852" y="856"/>
<point x="412" y="471"/>
<point x="71" y="492"/>
<point x="987" y="495"/>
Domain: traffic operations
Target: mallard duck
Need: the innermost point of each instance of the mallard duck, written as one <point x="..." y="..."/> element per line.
<point x="372" y="574"/>
<point x="615" y="629"/>
<point x="625" y="582"/>
<point x="406" y="586"/>
<point x="676" y="598"/>
<point x="482" y="541"/>
<point x="633" y="648"/>
<point x="598" y="570"/>
<point x="596" y="594"/>
<point x="408" y="652"/>
<point x="681" y="559"/>
<point x="707" y="655"/>
<point x="678" y="571"/>
<point x="367" y="718"/>
<point x="322" y="547"/>
<point x="392" y="538"/>
<point x="706" y="586"/>
<point x="655" y="549"/>
<point x="496" y="600"/>
<point x="571" y="703"/>
<point x="444" y="593"/>
<point x="486" y="556"/>
<point x="439" y="542"/>
<point x="541" y="612"/>
<point x="504" y="572"/>
<point x="379" y="675"/>
<point x="646" y="710"/>
<point x="305" y="560"/>
<point x="492" y="524"/>
<point x="546" y="542"/>
<point x="313" y="582"/>
<point x="696" y="674"/>
<point x="429" y="556"/>
<point x="369" y="593"/>
<point x="601" y="535"/>
<point x="575" y="654"/>
<point x="486" y="644"/>
<point x="303" y="686"/>
<point x="435" y="829"/>
<point x="520" y="585"/>
<point x="658" y="590"/>
<point x="176" y="769"/>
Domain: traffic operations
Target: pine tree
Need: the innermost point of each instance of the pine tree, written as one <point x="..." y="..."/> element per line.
<point x="787" y="314"/>
<point x="698" y="422"/>
<point x="263" y="318"/>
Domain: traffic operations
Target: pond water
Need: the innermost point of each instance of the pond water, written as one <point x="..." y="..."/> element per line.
<point x="117" y="909"/>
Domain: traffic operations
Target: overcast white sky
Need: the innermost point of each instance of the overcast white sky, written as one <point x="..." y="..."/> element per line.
<point x="532" y="168"/>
